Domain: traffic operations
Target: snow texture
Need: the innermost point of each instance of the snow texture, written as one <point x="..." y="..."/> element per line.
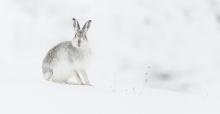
<point x="148" y="56"/>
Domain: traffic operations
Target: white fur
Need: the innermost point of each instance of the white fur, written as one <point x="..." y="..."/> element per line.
<point x="65" y="72"/>
<point x="65" y="69"/>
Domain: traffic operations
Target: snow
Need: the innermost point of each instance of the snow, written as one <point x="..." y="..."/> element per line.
<point x="148" y="56"/>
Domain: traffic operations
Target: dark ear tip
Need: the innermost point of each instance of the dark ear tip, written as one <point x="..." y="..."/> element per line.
<point x="73" y="19"/>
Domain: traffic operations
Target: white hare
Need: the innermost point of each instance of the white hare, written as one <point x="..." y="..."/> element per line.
<point x="67" y="61"/>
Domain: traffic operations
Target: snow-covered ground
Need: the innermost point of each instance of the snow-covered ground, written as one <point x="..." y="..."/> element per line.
<point x="149" y="56"/>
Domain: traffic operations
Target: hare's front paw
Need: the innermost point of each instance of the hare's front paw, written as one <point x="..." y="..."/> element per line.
<point x="73" y="81"/>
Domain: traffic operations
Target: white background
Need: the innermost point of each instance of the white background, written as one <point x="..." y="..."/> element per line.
<point x="149" y="56"/>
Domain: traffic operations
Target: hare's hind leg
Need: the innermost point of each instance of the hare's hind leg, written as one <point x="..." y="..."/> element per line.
<point x="48" y="74"/>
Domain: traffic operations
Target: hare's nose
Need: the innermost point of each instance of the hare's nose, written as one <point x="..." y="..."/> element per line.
<point x="79" y="41"/>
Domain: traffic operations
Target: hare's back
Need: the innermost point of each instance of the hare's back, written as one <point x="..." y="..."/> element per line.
<point x="58" y="61"/>
<point x="62" y="51"/>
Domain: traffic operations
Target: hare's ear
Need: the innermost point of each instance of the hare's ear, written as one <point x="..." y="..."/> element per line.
<point x="76" y="25"/>
<point x="86" y="26"/>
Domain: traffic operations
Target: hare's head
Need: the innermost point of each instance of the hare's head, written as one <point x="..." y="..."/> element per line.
<point x="80" y="40"/>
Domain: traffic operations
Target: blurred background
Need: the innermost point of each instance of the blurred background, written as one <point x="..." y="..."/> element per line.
<point x="168" y="45"/>
<point x="172" y="45"/>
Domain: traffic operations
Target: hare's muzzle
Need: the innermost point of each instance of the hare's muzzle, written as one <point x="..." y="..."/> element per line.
<point x="79" y="42"/>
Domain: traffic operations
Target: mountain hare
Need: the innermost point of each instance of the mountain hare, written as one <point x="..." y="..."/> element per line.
<point x="66" y="62"/>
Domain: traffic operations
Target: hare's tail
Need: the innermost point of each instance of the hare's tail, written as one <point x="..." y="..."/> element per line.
<point x="47" y="72"/>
